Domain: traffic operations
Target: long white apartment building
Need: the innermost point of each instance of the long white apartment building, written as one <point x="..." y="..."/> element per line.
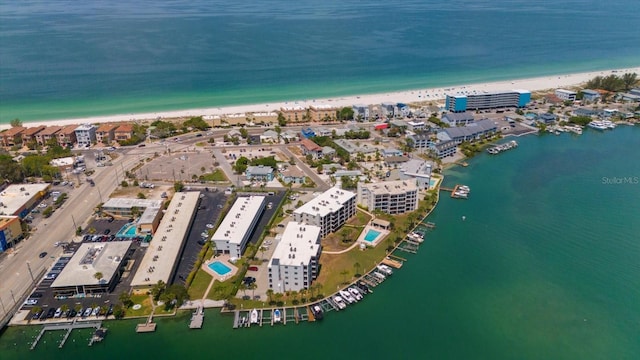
<point x="330" y="210"/>
<point x="391" y="197"/>
<point x="236" y="228"/>
<point x="294" y="263"/>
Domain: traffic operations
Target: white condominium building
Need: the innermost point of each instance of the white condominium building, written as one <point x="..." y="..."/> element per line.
<point x="330" y="210"/>
<point x="294" y="263"/>
<point x="235" y="230"/>
<point x="391" y="197"/>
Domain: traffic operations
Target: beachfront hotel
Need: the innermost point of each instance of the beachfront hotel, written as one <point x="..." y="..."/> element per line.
<point x="294" y="263"/>
<point x="391" y="197"/>
<point x="329" y="211"/>
<point x="488" y="100"/>
<point x="236" y="228"/>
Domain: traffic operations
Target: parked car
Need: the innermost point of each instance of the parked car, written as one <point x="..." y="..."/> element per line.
<point x="253" y="268"/>
<point x="87" y="312"/>
<point x="31" y="302"/>
<point x="107" y="231"/>
<point x="50" y="313"/>
<point x="42" y="254"/>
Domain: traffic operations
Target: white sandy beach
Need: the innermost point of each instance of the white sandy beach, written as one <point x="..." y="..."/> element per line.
<point x="410" y="96"/>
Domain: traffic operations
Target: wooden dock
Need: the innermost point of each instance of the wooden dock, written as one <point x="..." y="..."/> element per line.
<point x="392" y="263"/>
<point x="148" y="326"/>
<point x="69" y="327"/>
<point x="197" y="318"/>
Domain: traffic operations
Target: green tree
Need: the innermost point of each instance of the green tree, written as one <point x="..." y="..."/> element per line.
<point x="357" y="267"/>
<point x="47" y="212"/>
<point x="270" y="295"/>
<point x="253" y="286"/>
<point x="243" y="287"/>
<point x="244" y="133"/>
<point x="178" y="186"/>
<point x="344" y="274"/>
<point x="157" y="289"/>
<point x="125" y="299"/>
<point x="118" y="312"/>
<point x="141" y="196"/>
<point x="16" y="122"/>
<point x="98" y="275"/>
<point x="629" y="80"/>
<point x="282" y="121"/>
<point x="124" y="183"/>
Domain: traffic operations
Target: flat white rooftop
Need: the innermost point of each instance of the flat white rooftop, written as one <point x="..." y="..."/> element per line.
<point x="90" y="259"/>
<point x="127" y="203"/>
<point x="14" y="197"/>
<point x="391" y="187"/>
<point x="238" y="220"/>
<point x="159" y="261"/>
<point x="327" y="202"/>
<point x="298" y="244"/>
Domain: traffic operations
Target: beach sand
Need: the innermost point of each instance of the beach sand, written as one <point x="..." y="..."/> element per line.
<point x="411" y="96"/>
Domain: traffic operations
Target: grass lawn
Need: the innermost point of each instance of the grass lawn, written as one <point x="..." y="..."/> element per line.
<point x="217" y="175"/>
<point x="361" y="219"/>
<point x="199" y="285"/>
<point x="332" y="266"/>
<point x="333" y="242"/>
<point x="143" y="300"/>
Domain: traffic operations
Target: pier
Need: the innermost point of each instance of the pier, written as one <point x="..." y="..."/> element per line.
<point x="146" y="327"/>
<point x="197" y="318"/>
<point x="393" y="263"/>
<point x="69" y="327"/>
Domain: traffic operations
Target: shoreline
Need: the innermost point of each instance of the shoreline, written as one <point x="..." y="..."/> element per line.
<point x="407" y="96"/>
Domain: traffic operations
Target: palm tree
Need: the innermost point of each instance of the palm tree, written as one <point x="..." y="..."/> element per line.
<point x="262" y="250"/>
<point x="243" y="287"/>
<point x="278" y="297"/>
<point x="98" y="275"/>
<point x="64" y="308"/>
<point x="357" y="266"/>
<point x="253" y="286"/>
<point x="269" y="294"/>
<point x="629" y="80"/>
<point x="344" y="274"/>
<point x="303" y="294"/>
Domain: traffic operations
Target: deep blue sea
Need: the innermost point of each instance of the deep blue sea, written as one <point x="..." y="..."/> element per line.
<point x="65" y="59"/>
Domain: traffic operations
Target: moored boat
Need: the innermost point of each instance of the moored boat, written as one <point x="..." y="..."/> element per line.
<point x="318" y="314"/>
<point x="254" y="316"/>
<point x="277" y="316"/>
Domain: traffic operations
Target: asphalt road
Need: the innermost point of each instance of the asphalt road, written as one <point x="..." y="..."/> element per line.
<point x="16" y="280"/>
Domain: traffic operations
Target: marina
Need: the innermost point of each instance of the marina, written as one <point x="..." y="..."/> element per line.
<point x="494" y="150"/>
<point x="69" y="327"/>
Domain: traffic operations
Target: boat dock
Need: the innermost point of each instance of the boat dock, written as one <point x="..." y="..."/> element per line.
<point x="502" y="147"/>
<point x="393" y="263"/>
<point x="197" y="318"/>
<point x="146" y="327"/>
<point x="69" y="327"/>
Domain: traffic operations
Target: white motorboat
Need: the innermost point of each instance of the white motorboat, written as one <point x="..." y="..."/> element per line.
<point x="347" y="296"/>
<point x="464" y="188"/>
<point x="385" y="269"/>
<point x="598" y="125"/>
<point x="254" y="316"/>
<point x="277" y="316"/>
<point x="356" y="294"/>
<point x="339" y="302"/>
<point x="379" y="276"/>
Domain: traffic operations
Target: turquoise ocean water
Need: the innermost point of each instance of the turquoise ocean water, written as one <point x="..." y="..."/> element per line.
<point x="545" y="266"/>
<point x="66" y="59"/>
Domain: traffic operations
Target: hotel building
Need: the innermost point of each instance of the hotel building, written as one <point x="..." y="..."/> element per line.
<point x="294" y="263"/>
<point x="391" y="197"/>
<point x="329" y="211"/>
<point x="236" y="228"/>
<point x="488" y="100"/>
<point x="85" y="135"/>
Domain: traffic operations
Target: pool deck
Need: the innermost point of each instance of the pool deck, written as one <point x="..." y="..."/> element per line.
<point x="376" y="241"/>
<point x="223" y="259"/>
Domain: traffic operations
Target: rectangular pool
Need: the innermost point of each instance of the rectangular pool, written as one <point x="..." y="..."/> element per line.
<point x="219" y="268"/>
<point x="371" y="235"/>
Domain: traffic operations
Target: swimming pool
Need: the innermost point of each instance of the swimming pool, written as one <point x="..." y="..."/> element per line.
<point x="219" y="268"/>
<point x="432" y="183"/>
<point x="371" y="235"/>
<point x="128" y="230"/>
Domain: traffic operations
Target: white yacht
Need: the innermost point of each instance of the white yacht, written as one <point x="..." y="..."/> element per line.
<point x="355" y="293"/>
<point x="347" y="296"/>
<point x="254" y="316"/>
<point x="598" y="125"/>
<point x="385" y="269"/>
<point x="339" y="302"/>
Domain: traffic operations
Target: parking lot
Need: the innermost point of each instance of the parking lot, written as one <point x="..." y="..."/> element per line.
<point x="209" y="212"/>
<point x="179" y="166"/>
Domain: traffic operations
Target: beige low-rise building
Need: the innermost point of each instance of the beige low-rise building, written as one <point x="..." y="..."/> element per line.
<point x="106" y="133"/>
<point x="323" y="112"/>
<point x="43" y="137"/>
<point x="12" y="136"/>
<point x="30" y="133"/>
<point x="295" y="113"/>
<point x="67" y="136"/>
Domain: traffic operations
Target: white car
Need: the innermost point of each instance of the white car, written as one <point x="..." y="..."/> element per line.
<point x="31" y="302"/>
<point x="42" y="205"/>
<point x="209" y="226"/>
